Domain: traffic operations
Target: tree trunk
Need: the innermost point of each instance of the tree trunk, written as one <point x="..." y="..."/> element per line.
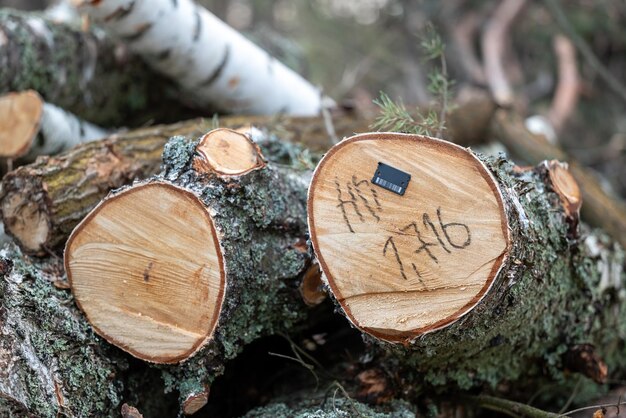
<point x="192" y="264"/>
<point x="82" y="72"/>
<point x="209" y="60"/>
<point x="51" y="362"/>
<point x="30" y="127"/>
<point x="473" y="272"/>
<point x="41" y="203"/>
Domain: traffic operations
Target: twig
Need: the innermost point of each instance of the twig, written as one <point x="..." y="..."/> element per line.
<point x="510" y="408"/>
<point x="463" y="34"/>
<point x="568" y="88"/>
<point x="572" y="396"/>
<point x="494" y="42"/>
<point x="585" y="408"/>
<point x="444" y="94"/>
<point x="585" y="49"/>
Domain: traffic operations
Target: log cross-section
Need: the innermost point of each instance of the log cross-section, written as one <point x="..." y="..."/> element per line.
<point x="406" y="259"/>
<point x="157" y="248"/>
<point x="227" y="153"/>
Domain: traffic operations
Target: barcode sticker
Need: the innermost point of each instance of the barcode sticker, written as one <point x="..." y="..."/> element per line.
<point x="391" y="179"/>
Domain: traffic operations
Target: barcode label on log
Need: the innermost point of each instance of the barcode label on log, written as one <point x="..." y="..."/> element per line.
<point x="391" y="179"/>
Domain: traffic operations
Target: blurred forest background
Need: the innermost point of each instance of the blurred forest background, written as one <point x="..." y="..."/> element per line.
<point x="358" y="48"/>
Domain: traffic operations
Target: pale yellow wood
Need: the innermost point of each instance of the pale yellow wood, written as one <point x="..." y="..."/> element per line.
<point x="146" y="269"/>
<point x="20" y="116"/>
<point x="25" y="220"/>
<point x="392" y="282"/>
<point x="227" y="152"/>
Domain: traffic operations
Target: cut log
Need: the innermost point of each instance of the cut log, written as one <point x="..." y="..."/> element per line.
<point x="190" y="266"/>
<point x="51" y="362"/>
<point x="227" y="153"/>
<point x="209" y="60"/>
<point x="82" y="72"/>
<point x="41" y="203"/>
<point x="435" y="238"/>
<point x="30" y="127"/>
<point x="470" y="268"/>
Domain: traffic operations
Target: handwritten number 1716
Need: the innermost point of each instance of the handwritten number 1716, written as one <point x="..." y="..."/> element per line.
<point x="445" y="238"/>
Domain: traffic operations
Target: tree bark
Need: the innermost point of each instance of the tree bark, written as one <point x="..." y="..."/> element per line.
<point x="30" y="127"/>
<point x="51" y="362"/>
<point x="601" y="209"/>
<point x="334" y="408"/>
<point x="83" y="72"/>
<point x="211" y="61"/>
<point x="555" y="304"/>
<point x="199" y="262"/>
<point x="42" y="202"/>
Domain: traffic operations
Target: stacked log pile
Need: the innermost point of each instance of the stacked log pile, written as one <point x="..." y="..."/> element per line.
<point x="145" y="260"/>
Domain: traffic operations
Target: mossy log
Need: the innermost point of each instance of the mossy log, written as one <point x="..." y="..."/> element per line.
<point x="488" y="277"/>
<point x="83" y="72"/>
<point x="51" y="362"/>
<point x="334" y="408"/>
<point x="192" y="264"/>
<point x="42" y="202"/>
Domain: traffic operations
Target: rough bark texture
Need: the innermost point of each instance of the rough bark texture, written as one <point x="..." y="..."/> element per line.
<point x="62" y="190"/>
<point x="599" y="207"/>
<point x="334" y="408"/>
<point x="556" y="292"/>
<point x="82" y="72"/>
<point x="260" y="218"/>
<point x="51" y="362"/>
<point x="65" y="188"/>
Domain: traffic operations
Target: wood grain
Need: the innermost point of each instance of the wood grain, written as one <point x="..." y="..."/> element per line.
<point x="20" y="115"/>
<point x="404" y="265"/>
<point x="146" y="268"/>
<point x="227" y="153"/>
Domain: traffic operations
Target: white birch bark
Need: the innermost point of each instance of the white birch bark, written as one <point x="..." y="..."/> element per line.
<point x="61" y="130"/>
<point x="30" y="127"/>
<point x="210" y="60"/>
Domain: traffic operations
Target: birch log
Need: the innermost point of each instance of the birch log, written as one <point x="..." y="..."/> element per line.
<point x="193" y="264"/>
<point x="209" y="60"/>
<point x="471" y="272"/>
<point x="30" y="127"/>
<point x="83" y="72"/>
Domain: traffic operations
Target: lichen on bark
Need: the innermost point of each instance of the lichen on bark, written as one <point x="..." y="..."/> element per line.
<point x="51" y="362"/>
